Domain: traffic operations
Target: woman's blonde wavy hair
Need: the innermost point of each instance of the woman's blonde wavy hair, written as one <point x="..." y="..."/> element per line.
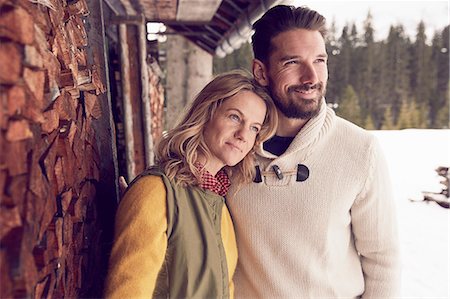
<point x="178" y="150"/>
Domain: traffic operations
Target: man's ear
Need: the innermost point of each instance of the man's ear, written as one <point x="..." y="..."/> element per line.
<point x="260" y="72"/>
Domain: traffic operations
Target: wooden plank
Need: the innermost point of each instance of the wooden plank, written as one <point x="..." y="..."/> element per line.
<point x="198" y="10"/>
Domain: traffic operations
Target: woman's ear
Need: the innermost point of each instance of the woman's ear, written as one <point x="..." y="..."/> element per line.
<point x="260" y="72"/>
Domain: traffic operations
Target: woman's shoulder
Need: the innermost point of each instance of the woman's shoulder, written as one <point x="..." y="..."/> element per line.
<point x="145" y="189"/>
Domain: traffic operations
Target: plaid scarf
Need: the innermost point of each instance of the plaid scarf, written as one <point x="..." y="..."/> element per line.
<point x="218" y="184"/>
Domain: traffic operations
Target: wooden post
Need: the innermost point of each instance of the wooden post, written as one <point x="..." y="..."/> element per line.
<point x="145" y="95"/>
<point x="128" y="114"/>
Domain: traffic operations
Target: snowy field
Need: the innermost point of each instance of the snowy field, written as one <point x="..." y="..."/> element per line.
<point x="412" y="156"/>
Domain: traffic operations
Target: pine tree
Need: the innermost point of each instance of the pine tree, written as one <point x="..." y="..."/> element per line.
<point x="367" y="59"/>
<point x="420" y="67"/>
<point x="388" y="123"/>
<point x="405" y="118"/>
<point x="349" y="107"/>
<point x="440" y="77"/>
<point x="397" y="70"/>
<point x="369" y="125"/>
<point x="333" y="58"/>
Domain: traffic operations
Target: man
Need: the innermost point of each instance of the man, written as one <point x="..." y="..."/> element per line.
<point x="319" y="221"/>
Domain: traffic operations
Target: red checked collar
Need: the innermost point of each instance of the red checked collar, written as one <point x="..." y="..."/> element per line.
<point x="219" y="184"/>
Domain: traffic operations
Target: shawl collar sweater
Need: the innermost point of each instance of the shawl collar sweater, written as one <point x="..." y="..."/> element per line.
<point x="333" y="235"/>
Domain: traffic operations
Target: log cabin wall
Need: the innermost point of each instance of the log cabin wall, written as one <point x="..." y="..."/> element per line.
<point x="57" y="150"/>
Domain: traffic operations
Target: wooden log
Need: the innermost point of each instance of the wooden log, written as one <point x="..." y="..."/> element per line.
<point x="66" y="79"/>
<point x="51" y="122"/>
<point x="17" y="24"/>
<point x="6" y="291"/>
<point x="67" y="230"/>
<point x="66" y="106"/>
<point x="41" y="286"/>
<point x="11" y="62"/>
<point x="92" y="105"/>
<point x="78" y="8"/>
<point x="16" y="100"/>
<point x="33" y="59"/>
<point x="3" y="114"/>
<point x="71" y="135"/>
<point x="17" y="161"/>
<point x="57" y="13"/>
<point x="35" y="82"/>
<point x="40" y="16"/>
<point x="59" y="175"/>
<point x="61" y="48"/>
<point x="46" y="219"/>
<point x="81" y="57"/>
<point x="3" y="177"/>
<point x="9" y="220"/>
<point x="18" y="130"/>
<point x="59" y="235"/>
<point x="27" y="274"/>
<point x="76" y="31"/>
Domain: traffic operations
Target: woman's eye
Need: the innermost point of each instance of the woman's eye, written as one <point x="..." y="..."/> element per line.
<point x="255" y="129"/>
<point x="234" y="117"/>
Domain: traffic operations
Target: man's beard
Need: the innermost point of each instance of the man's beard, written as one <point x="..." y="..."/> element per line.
<point x="293" y="107"/>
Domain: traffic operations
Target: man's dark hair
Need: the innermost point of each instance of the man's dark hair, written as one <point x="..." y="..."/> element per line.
<point x="279" y="19"/>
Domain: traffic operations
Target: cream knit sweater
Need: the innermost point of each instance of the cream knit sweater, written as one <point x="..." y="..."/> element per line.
<point x="331" y="236"/>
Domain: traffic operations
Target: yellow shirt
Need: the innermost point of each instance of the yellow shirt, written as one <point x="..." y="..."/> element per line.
<point x="141" y="241"/>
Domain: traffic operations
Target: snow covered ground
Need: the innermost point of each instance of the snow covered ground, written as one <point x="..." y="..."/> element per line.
<point x="412" y="156"/>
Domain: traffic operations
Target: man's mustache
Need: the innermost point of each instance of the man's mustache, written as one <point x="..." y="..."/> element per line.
<point x="305" y="87"/>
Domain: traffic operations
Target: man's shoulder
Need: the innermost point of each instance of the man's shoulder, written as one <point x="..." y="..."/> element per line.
<point x="351" y="130"/>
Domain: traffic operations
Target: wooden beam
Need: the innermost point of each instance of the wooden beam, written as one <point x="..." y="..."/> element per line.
<point x="145" y="95"/>
<point x="199" y="10"/>
<point x="128" y="114"/>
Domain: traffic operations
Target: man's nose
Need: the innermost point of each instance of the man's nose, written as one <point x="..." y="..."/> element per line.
<point x="308" y="74"/>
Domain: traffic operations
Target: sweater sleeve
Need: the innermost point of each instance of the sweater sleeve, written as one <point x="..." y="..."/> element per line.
<point x="374" y="226"/>
<point x="140" y="240"/>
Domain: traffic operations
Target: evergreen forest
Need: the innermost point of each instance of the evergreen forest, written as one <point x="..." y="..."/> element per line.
<point x="396" y="83"/>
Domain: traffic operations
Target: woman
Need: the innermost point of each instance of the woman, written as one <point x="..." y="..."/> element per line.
<point x="174" y="236"/>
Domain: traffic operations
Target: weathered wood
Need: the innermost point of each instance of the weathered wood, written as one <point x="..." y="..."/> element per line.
<point x="145" y="96"/>
<point x="51" y="122"/>
<point x="9" y="220"/>
<point x="92" y="105"/>
<point x="78" y="8"/>
<point x="126" y="96"/>
<point x="18" y="130"/>
<point x="17" y="161"/>
<point x="35" y="83"/>
<point x="16" y="100"/>
<point x="11" y="62"/>
<point x="17" y="24"/>
<point x="51" y="148"/>
<point x="65" y="105"/>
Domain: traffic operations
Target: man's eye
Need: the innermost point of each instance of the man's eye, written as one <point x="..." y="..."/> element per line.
<point x="291" y="62"/>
